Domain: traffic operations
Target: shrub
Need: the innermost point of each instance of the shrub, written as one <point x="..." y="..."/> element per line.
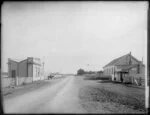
<point x="80" y="72"/>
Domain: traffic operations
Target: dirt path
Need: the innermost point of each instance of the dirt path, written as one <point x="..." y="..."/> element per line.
<point x="59" y="98"/>
<point x="66" y="100"/>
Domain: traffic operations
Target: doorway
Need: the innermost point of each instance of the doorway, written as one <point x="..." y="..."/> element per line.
<point x="13" y="73"/>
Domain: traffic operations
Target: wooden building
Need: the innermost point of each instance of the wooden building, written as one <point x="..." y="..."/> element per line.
<point x="124" y="67"/>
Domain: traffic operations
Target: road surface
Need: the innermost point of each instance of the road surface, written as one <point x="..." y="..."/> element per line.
<point x="59" y="98"/>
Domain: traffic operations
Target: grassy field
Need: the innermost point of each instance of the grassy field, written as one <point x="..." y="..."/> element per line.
<point x="113" y="97"/>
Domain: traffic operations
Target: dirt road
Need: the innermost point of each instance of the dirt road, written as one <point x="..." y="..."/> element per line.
<point x="59" y="98"/>
<point x="74" y="94"/>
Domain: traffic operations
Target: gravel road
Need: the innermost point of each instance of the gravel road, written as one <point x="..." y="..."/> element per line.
<point x="59" y="98"/>
<point x="73" y="94"/>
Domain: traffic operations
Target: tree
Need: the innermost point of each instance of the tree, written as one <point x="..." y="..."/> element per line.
<point x="80" y="72"/>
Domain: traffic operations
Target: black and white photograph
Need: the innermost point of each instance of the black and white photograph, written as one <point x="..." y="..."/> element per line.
<point x="74" y="57"/>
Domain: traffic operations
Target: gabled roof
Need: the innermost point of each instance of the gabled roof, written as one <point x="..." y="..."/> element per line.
<point x="16" y="60"/>
<point x="124" y="60"/>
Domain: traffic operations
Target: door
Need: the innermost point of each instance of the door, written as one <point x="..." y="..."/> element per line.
<point x="121" y="77"/>
<point x="13" y="73"/>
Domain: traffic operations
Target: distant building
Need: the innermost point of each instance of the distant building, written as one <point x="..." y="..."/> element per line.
<point x="124" y="66"/>
<point x="30" y="67"/>
<point x="56" y="74"/>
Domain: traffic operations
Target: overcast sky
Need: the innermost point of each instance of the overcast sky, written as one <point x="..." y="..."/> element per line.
<point x="70" y="35"/>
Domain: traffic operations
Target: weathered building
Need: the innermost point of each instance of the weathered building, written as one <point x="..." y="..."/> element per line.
<point x="30" y="67"/>
<point x="125" y="66"/>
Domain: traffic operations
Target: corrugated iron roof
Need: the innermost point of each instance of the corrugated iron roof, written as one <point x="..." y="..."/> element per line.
<point x="124" y="60"/>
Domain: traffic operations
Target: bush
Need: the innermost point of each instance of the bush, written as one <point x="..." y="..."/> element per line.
<point x="80" y="72"/>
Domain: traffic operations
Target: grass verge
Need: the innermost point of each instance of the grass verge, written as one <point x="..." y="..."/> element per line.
<point x="126" y="102"/>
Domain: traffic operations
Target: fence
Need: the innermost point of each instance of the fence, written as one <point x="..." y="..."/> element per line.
<point x="134" y="80"/>
<point x="9" y="81"/>
<point x="23" y="80"/>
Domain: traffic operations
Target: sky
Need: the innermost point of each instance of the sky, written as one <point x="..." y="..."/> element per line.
<point x="71" y="35"/>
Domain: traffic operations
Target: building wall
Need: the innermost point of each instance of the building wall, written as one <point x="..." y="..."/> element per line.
<point x="135" y="72"/>
<point x="109" y="70"/>
<point x="23" y="70"/>
<point x="24" y="80"/>
<point x="37" y="69"/>
<point x="30" y="70"/>
<point x="132" y="72"/>
<point x="7" y="81"/>
<point x="31" y="67"/>
<point x="12" y="65"/>
<point x="142" y="71"/>
<point x="36" y="72"/>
